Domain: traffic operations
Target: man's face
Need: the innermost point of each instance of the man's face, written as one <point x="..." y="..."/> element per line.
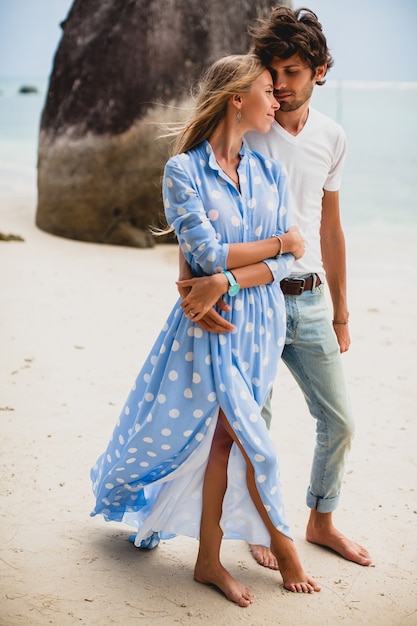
<point x="294" y="81"/>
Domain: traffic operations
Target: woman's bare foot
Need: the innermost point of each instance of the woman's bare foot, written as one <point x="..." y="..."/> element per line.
<point x="264" y="556"/>
<point x="220" y="578"/>
<point x="320" y="530"/>
<point x="293" y="575"/>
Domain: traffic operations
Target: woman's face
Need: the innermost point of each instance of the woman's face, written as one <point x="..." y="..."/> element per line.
<point x="259" y="105"/>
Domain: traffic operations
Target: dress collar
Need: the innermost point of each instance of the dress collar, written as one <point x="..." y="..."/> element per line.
<point x="243" y="153"/>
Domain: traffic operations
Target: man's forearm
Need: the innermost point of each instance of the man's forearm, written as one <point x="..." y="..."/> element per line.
<point x="184" y="269"/>
<point x="334" y="261"/>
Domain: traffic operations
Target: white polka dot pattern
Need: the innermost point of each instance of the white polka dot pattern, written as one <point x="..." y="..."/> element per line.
<point x="151" y="474"/>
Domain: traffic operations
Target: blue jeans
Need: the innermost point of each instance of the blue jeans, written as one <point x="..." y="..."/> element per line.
<point x="312" y="355"/>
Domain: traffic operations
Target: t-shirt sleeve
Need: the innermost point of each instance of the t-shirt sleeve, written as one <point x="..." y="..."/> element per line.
<point x="334" y="178"/>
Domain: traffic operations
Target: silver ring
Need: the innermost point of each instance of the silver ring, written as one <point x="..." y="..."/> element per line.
<point x="192" y="313"/>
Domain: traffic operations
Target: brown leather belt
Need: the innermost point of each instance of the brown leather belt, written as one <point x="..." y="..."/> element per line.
<point x="297" y="286"/>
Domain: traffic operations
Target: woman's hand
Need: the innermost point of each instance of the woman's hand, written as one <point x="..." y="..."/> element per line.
<point x="293" y="242"/>
<point x="202" y="294"/>
<point x="213" y="322"/>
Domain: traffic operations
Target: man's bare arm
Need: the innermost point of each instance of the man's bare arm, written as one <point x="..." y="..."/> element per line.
<point x="333" y="251"/>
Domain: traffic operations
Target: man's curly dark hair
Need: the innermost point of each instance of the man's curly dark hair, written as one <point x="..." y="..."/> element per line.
<point x="287" y="32"/>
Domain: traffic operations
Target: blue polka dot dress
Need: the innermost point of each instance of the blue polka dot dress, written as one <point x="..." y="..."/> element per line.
<point x="151" y="474"/>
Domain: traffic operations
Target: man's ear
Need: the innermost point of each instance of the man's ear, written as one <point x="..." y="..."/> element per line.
<point x="320" y="72"/>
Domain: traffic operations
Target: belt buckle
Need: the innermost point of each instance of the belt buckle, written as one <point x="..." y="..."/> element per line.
<point x="300" y="282"/>
<point x="297" y="284"/>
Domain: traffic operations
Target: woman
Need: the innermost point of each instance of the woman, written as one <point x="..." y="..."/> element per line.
<point x="171" y="467"/>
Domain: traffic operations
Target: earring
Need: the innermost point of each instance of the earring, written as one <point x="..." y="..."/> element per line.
<point x="238" y="117"/>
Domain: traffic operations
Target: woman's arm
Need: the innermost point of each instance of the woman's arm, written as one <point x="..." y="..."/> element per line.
<point x="253" y="263"/>
<point x="206" y="291"/>
<point x="249" y="253"/>
<point x="198" y="238"/>
<point x="202" y="293"/>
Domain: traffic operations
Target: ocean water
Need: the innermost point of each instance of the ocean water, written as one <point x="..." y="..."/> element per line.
<point x="19" y="128"/>
<point x="380" y="120"/>
<point x="380" y="176"/>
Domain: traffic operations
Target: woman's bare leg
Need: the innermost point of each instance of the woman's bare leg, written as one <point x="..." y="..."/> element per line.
<point x="282" y="547"/>
<point x="208" y="569"/>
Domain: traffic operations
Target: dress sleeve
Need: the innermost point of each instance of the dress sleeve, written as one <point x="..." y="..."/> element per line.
<point x="280" y="267"/>
<point x="185" y="212"/>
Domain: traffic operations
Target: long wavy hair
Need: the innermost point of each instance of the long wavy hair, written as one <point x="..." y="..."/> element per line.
<point x="226" y="77"/>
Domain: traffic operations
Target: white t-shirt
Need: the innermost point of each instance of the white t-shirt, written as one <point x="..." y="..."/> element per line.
<point x="314" y="159"/>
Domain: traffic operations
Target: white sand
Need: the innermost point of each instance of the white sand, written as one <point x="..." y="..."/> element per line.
<point x="76" y="322"/>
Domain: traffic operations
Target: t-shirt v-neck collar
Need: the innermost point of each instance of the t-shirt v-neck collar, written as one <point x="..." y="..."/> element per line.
<point x="289" y="136"/>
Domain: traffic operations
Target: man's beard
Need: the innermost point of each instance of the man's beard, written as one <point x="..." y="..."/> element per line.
<point x="295" y="104"/>
<point x="290" y="106"/>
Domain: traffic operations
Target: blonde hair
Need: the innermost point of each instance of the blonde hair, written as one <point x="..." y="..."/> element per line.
<point x="229" y="76"/>
<point x="226" y="77"/>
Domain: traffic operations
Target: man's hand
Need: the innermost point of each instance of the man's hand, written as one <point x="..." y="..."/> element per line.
<point x="343" y="336"/>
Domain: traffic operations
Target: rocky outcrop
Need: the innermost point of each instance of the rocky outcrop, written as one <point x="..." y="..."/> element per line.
<point x="122" y="70"/>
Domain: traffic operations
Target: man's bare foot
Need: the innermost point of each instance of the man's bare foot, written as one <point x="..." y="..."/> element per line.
<point x="293" y="575"/>
<point x="220" y="578"/>
<point x="320" y="530"/>
<point x="264" y="556"/>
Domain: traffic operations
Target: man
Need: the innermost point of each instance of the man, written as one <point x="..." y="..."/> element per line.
<point x="312" y="147"/>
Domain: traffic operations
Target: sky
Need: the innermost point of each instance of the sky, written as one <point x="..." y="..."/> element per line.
<point x="370" y="40"/>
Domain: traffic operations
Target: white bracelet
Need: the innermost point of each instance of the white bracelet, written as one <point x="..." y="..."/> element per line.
<point x="280" y="253"/>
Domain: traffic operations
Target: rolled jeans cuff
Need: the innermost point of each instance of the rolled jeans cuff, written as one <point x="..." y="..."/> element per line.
<point x="322" y="505"/>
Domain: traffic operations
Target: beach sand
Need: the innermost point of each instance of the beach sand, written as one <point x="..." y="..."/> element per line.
<point x="76" y="322"/>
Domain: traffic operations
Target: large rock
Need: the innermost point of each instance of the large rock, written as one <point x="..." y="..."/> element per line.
<point x="121" y="70"/>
